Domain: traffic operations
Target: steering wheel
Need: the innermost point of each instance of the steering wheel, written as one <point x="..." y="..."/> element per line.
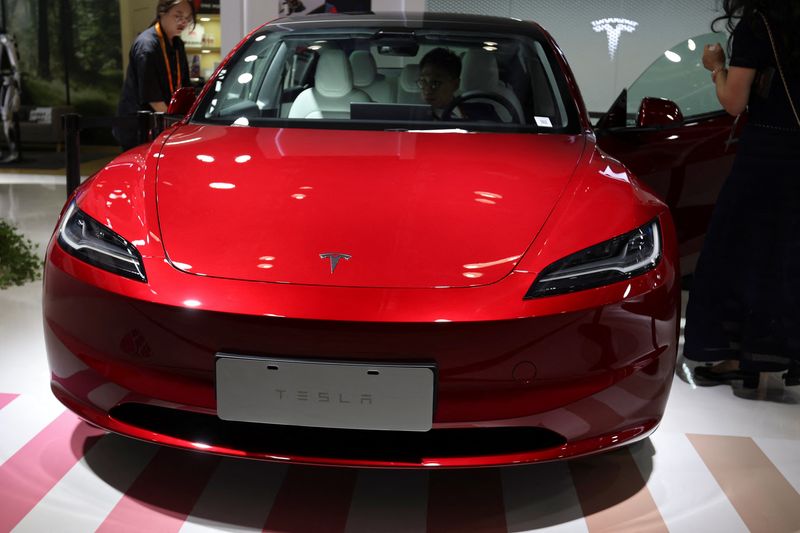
<point x="447" y="114"/>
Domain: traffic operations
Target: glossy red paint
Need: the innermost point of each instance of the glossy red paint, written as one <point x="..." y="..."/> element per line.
<point x="410" y="205"/>
<point x="590" y="362"/>
<point x="182" y="101"/>
<point x="658" y="112"/>
<point x="414" y="210"/>
<point x="684" y="165"/>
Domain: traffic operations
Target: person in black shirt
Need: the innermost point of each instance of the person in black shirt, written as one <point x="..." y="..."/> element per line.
<point x="744" y="304"/>
<point x="440" y="79"/>
<point x="157" y="66"/>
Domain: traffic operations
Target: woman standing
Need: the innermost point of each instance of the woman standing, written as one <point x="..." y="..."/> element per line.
<point x="157" y="66"/>
<point x="744" y="307"/>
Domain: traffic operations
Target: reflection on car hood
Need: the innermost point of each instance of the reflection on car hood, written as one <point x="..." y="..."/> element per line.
<point x="407" y="209"/>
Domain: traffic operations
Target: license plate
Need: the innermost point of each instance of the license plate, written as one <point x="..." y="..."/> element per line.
<point x="328" y="394"/>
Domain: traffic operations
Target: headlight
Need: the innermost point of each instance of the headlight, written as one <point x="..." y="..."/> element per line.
<point x="614" y="260"/>
<point x="90" y="241"/>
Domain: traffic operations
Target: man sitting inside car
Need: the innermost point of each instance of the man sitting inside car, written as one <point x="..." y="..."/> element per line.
<point x="439" y="79"/>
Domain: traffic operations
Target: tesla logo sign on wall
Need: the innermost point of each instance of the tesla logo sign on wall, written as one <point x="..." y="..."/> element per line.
<point x="614" y="28"/>
<point x="334" y="259"/>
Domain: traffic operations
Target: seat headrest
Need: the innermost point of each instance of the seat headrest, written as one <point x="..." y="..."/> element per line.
<point x="479" y="71"/>
<point x="364" y="68"/>
<point x="333" y="77"/>
<point x="408" y="79"/>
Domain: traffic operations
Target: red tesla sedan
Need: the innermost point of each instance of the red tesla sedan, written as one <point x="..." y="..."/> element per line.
<point x="319" y="265"/>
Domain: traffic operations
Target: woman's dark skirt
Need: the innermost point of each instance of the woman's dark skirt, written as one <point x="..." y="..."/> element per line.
<point x="745" y="298"/>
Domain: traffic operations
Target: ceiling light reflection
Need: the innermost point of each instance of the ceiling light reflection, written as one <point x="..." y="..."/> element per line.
<point x="478" y="266"/>
<point x="672" y="56"/>
<point x="489" y="194"/>
<point x="221" y="185"/>
<point x="243" y="159"/>
<point x="205" y="158"/>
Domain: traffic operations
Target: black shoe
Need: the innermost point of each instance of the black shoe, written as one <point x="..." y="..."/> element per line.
<point x="706" y="374"/>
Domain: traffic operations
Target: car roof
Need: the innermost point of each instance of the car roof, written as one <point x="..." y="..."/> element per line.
<point x="414" y="20"/>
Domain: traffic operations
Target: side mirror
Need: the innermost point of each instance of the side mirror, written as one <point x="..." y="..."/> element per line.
<point x="655" y="112"/>
<point x="182" y="101"/>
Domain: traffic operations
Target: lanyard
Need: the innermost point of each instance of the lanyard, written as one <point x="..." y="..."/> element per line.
<point x="166" y="60"/>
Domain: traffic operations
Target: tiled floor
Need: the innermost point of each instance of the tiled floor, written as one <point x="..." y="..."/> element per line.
<point x="724" y="459"/>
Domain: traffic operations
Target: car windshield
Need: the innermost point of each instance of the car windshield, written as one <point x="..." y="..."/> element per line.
<point x="381" y="78"/>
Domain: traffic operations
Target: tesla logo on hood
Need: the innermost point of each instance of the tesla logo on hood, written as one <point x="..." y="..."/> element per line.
<point x="334" y="258"/>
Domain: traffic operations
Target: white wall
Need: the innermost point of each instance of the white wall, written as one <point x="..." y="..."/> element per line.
<point x="239" y="17"/>
<point x="661" y="25"/>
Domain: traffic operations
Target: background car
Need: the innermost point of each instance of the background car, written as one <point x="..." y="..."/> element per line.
<point x="316" y="266"/>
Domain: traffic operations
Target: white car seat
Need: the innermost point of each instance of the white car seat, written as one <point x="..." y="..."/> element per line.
<point x="333" y="91"/>
<point x="408" y="92"/>
<point x="479" y="72"/>
<point x="366" y="78"/>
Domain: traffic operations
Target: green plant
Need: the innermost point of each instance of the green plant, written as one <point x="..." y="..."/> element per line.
<point x="19" y="263"/>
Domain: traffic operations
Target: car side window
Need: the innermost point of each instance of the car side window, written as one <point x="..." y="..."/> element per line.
<point x="678" y="75"/>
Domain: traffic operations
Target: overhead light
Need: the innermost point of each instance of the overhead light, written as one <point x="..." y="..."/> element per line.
<point x="205" y="19"/>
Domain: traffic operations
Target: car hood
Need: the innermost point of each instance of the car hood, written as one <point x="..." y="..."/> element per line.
<point x="357" y="208"/>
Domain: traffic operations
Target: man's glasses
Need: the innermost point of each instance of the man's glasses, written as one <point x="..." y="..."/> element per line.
<point x="432" y="84"/>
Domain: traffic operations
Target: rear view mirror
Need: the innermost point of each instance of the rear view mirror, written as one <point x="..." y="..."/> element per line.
<point x="658" y="112"/>
<point x="400" y="43"/>
<point x="182" y="101"/>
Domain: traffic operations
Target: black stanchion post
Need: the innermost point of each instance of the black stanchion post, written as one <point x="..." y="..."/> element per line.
<point x="145" y="126"/>
<point x="72" y="150"/>
<point x="159" y="123"/>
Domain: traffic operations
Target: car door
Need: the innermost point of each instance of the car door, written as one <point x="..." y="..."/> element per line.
<point x="683" y="151"/>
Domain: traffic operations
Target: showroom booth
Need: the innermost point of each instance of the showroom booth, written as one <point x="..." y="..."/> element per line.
<point x="412" y="265"/>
